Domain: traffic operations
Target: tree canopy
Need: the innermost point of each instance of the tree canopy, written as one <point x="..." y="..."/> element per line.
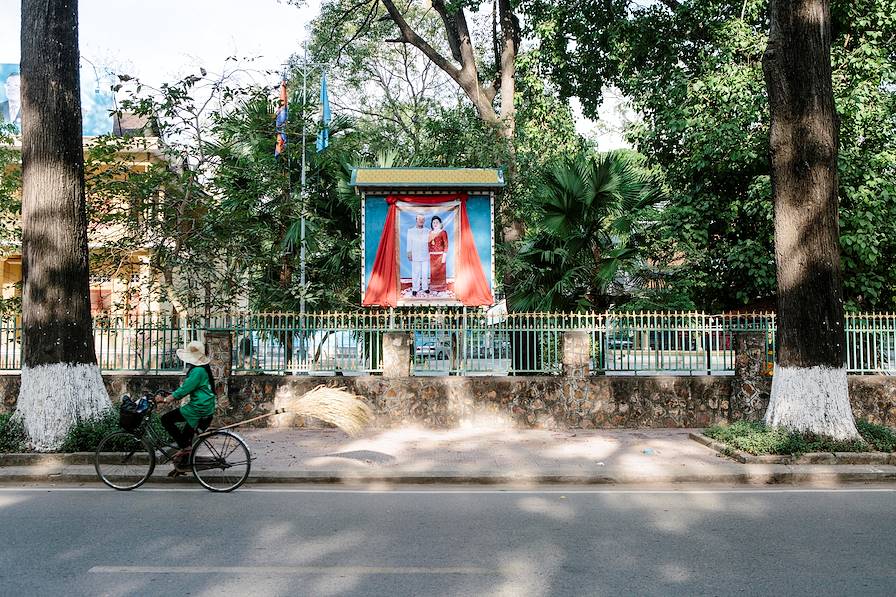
<point x="220" y="215"/>
<point x="692" y="69"/>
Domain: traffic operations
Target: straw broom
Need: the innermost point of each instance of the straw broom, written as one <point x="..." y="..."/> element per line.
<point x="331" y="405"/>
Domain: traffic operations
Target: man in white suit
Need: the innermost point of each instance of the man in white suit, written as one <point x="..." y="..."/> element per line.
<point x="418" y="255"/>
<point x="11" y="109"/>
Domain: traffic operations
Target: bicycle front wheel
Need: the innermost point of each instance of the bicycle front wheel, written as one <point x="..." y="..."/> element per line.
<point x="124" y="461"/>
<point x="221" y="461"/>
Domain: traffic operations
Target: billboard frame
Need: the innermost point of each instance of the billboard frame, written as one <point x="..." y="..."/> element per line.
<point x="490" y="195"/>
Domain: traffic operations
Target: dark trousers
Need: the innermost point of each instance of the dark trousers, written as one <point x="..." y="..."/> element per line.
<point x="182" y="435"/>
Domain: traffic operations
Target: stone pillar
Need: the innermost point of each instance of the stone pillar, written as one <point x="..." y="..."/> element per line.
<point x="397" y="354"/>
<point x="576" y="353"/>
<point x="219" y="347"/>
<point x="751" y="386"/>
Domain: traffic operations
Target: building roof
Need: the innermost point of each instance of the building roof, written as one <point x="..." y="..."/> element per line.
<point x="125" y="124"/>
<point x="422" y="178"/>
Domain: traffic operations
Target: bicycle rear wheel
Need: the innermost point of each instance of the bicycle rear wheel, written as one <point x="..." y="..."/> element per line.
<point x="124" y="461"/>
<point x="221" y="461"/>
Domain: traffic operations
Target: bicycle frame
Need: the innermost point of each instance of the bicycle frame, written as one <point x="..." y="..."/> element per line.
<point x="208" y="454"/>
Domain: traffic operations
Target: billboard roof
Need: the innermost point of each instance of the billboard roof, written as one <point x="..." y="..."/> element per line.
<point x="458" y="178"/>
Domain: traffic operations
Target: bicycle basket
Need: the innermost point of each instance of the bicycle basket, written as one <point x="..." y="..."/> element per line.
<point x="128" y="416"/>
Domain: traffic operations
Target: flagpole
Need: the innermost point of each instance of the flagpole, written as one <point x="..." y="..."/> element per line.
<point x="302" y="204"/>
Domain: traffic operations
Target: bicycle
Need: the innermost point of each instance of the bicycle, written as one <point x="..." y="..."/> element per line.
<point x="124" y="460"/>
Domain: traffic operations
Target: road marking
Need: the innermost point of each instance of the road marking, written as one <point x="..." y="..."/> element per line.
<point x="269" y="570"/>
<point x="460" y="491"/>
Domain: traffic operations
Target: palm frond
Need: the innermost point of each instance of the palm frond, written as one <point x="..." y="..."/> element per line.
<point x="592" y="208"/>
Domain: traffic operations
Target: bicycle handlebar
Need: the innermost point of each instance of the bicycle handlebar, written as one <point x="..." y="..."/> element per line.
<point x="151" y="398"/>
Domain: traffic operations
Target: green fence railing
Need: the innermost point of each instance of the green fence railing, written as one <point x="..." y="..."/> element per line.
<point x="458" y="342"/>
<point x="871" y="343"/>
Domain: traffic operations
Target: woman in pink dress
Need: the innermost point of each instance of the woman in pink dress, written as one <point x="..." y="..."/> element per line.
<point x="438" y="256"/>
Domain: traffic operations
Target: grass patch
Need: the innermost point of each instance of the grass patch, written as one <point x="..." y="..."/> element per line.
<point x="84" y="436"/>
<point x="754" y="437"/>
<point x="882" y="438"/>
<point x="12" y="435"/>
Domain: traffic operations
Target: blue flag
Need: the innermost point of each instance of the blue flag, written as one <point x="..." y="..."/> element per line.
<point x="323" y="137"/>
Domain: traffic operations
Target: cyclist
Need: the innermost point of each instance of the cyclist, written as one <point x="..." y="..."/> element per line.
<point x="197" y="413"/>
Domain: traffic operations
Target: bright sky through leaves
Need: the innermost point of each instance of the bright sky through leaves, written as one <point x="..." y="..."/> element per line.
<point x="165" y="39"/>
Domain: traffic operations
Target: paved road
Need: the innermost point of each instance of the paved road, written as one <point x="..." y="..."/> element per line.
<point x="431" y="541"/>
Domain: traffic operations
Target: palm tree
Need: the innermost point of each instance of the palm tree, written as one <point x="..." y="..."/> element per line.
<point x="589" y="210"/>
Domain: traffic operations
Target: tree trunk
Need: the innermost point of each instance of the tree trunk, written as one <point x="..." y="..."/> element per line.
<point x="809" y="391"/>
<point x="60" y="382"/>
<point x="467" y="76"/>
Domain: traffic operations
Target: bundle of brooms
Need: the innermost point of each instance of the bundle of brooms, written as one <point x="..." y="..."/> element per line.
<point x="335" y="406"/>
<point x="331" y="405"/>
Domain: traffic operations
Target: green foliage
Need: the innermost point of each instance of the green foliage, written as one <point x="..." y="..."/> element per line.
<point x="864" y="63"/>
<point x="10" y="186"/>
<point x="85" y="435"/>
<point x="334" y="246"/>
<point x="220" y="216"/>
<point x="390" y="89"/>
<point x="226" y="228"/>
<point x="693" y="71"/>
<point x="12" y="434"/>
<point x="262" y="210"/>
<point x="882" y="438"/>
<point x="545" y="133"/>
<point x="11" y="306"/>
<point x="590" y="211"/>
<point x="756" y="438"/>
<point x="402" y="99"/>
<point x="671" y="297"/>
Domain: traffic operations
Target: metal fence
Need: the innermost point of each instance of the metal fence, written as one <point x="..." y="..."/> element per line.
<point x="675" y="343"/>
<point x="348" y="343"/>
<point x="871" y="343"/>
<point x="457" y="342"/>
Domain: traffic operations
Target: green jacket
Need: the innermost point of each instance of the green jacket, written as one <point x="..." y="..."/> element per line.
<point x="201" y="393"/>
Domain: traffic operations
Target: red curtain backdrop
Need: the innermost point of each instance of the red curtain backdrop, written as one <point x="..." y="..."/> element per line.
<point x="470" y="284"/>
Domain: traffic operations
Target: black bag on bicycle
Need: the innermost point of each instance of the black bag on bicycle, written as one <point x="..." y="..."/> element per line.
<point x="130" y="414"/>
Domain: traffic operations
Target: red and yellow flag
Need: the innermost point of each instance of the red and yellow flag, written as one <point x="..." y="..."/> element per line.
<point x="280" y="119"/>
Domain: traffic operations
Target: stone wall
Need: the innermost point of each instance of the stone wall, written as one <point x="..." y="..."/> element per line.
<point x="547" y="402"/>
<point x="544" y="402"/>
<point x="116" y="385"/>
<point x="557" y="402"/>
<point x="751" y="387"/>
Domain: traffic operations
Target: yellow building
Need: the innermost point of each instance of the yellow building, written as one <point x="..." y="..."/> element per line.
<point x="126" y="286"/>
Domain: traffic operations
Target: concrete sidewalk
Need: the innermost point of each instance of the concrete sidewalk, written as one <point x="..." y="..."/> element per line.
<point x="481" y="455"/>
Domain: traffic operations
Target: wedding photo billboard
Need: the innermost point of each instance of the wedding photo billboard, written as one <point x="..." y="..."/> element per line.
<point x="423" y="250"/>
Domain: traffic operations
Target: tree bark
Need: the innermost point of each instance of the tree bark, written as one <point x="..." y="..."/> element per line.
<point x="466" y="76"/>
<point x="61" y="382"/>
<point x="809" y="387"/>
<point x="509" y="44"/>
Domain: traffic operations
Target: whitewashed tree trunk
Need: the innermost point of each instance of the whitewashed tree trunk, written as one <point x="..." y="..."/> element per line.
<point x="811" y="400"/>
<point x="809" y="391"/>
<point x="61" y="382"/>
<point x="53" y="397"/>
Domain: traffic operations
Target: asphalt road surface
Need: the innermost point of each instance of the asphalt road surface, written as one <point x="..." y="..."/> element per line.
<point x="451" y="541"/>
